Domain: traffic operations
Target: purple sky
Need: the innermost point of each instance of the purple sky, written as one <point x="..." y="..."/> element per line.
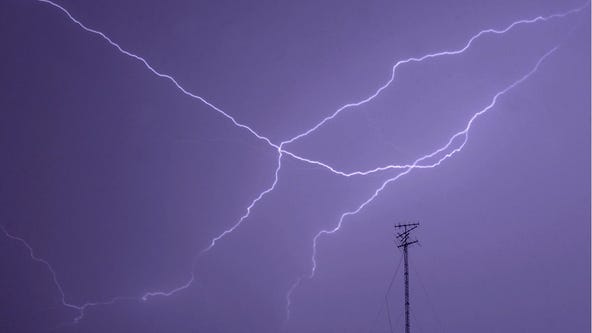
<point x="118" y="180"/>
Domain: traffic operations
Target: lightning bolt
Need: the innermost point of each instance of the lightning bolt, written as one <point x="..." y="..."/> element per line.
<point x="431" y="56"/>
<point x="291" y="290"/>
<point x="253" y="203"/>
<point x="159" y="74"/>
<point x="80" y="309"/>
<point x="283" y="152"/>
<point x="172" y="291"/>
<point x="465" y="137"/>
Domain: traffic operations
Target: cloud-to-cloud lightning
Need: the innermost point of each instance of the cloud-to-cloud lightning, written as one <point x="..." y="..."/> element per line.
<point x="465" y="136"/>
<point x="253" y="203"/>
<point x="431" y="56"/>
<point x="159" y="74"/>
<point x="281" y="151"/>
<point x="80" y="309"/>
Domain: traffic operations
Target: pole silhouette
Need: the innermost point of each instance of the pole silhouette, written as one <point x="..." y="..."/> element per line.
<point x="404" y="242"/>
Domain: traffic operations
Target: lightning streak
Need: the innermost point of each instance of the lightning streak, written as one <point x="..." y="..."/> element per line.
<point x="159" y="74"/>
<point x="426" y="57"/>
<point x="253" y="203"/>
<point x="291" y="290"/>
<point x="78" y="308"/>
<point x="171" y="292"/>
<point x="81" y="309"/>
<point x="464" y="134"/>
<point x="45" y="263"/>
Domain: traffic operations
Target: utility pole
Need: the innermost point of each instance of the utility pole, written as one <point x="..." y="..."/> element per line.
<point x="404" y="242"/>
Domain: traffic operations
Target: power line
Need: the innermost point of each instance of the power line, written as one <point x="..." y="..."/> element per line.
<point x="431" y="304"/>
<point x="385" y="301"/>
